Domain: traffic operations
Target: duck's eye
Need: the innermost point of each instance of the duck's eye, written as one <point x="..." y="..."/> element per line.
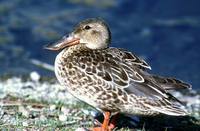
<point x="87" y="27"/>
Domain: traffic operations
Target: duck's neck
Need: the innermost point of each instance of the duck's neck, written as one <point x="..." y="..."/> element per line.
<point x="73" y="49"/>
<point x="67" y="53"/>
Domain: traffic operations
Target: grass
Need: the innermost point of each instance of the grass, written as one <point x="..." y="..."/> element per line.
<point x="19" y="113"/>
<point x="41" y="117"/>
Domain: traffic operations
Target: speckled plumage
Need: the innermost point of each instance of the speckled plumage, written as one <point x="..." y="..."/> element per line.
<point x="113" y="79"/>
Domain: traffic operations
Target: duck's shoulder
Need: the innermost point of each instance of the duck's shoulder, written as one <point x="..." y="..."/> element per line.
<point x="127" y="57"/>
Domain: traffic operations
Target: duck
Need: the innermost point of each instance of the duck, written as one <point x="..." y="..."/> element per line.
<point x="112" y="80"/>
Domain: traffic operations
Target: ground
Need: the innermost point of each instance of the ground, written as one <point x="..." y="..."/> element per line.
<point x="36" y="103"/>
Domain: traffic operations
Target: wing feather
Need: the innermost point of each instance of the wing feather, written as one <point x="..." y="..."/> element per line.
<point x="128" y="57"/>
<point x="171" y="83"/>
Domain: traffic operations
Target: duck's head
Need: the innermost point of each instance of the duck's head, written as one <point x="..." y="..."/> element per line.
<point x="92" y="33"/>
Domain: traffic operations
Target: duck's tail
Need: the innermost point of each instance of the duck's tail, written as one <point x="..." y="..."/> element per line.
<point x="169" y="83"/>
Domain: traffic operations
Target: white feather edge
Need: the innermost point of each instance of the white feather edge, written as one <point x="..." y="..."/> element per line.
<point x="173" y="111"/>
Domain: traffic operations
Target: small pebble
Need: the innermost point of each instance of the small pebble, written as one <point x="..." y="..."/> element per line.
<point x="2" y="95"/>
<point x="64" y="110"/>
<point x="86" y="112"/>
<point x="93" y="113"/>
<point x="24" y="123"/>
<point x="1" y="113"/>
<point x="81" y="129"/>
<point x="24" y="111"/>
<point x="34" y="76"/>
<point x="43" y="118"/>
<point x="52" y="107"/>
<point x="62" y="117"/>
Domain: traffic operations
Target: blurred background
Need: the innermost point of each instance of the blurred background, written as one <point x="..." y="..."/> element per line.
<point x="165" y="33"/>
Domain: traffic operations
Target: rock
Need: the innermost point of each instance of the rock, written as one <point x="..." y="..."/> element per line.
<point x="62" y="117"/>
<point x="24" y="111"/>
<point x="64" y="110"/>
<point x="34" y="76"/>
<point x="52" y="107"/>
<point x="24" y="123"/>
<point x="81" y="129"/>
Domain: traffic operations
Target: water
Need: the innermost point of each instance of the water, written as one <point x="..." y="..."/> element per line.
<point x="164" y="33"/>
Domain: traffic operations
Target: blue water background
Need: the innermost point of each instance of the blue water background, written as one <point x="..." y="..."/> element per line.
<point x="165" y="33"/>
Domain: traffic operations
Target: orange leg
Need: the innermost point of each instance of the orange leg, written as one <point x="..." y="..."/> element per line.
<point x="104" y="126"/>
<point x="113" y="122"/>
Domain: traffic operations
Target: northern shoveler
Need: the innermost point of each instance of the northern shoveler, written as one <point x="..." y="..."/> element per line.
<point x="111" y="79"/>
